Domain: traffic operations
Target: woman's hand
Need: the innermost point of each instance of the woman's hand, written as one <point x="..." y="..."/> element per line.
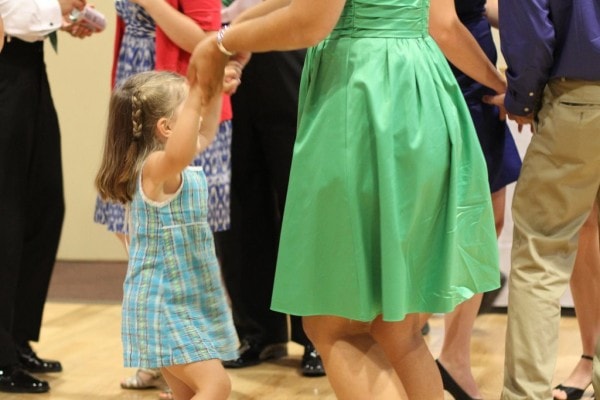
<point x="207" y="68"/>
<point x="498" y="101"/>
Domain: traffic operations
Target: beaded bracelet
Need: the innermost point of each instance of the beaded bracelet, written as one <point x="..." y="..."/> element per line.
<point x="220" y="36"/>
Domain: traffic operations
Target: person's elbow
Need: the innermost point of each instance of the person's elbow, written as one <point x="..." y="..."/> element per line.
<point x="310" y="39"/>
<point x="442" y="34"/>
<point x="447" y="34"/>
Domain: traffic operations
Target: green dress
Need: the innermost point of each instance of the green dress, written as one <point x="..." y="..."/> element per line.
<point x="388" y="209"/>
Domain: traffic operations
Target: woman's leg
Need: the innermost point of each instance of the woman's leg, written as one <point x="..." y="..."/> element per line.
<point x="200" y="380"/>
<point x="407" y="352"/>
<point x="455" y="355"/>
<point x="499" y="206"/>
<point x="585" y="285"/>
<point x="356" y="366"/>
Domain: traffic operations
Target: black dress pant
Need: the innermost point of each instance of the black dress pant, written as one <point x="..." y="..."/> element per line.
<point x="31" y="201"/>
<point x="265" y="111"/>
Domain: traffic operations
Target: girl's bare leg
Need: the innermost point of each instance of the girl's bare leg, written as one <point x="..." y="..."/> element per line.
<point x="204" y="380"/>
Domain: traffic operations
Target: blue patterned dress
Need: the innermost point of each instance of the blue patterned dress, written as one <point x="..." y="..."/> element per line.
<point x="137" y="54"/>
<point x="174" y="306"/>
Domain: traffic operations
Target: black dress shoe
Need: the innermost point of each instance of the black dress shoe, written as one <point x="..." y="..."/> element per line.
<point x="14" y="379"/>
<point x="311" y="365"/>
<point x="252" y="354"/>
<point x="30" y="362"/>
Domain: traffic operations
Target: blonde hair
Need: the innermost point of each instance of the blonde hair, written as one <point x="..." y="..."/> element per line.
<point x="134" y="110"/>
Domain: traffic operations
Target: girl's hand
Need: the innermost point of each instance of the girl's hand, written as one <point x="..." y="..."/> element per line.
<point x="232" y="78"/>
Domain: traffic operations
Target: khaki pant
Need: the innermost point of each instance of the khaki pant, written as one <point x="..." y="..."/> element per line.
<point x="555" y="193"/>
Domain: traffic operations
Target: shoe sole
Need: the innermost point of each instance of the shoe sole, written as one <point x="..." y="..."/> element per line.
<point x="270" y="352"/>
<point x="313" y="374"/>
<point x="273" y="352"/>
<point x="16" y="390"/>
<point x="42" y="371"/>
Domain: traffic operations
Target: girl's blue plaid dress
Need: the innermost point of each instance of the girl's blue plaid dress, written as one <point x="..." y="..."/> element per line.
<point x="175" y="309"/>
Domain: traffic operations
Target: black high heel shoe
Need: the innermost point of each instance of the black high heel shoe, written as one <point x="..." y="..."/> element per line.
<point x="574" y="393"/>
<point x="451" y="386"/>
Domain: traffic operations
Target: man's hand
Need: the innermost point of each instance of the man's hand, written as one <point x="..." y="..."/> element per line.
<point x="66" y="6"/>
<point x="522" y="120"/>
<point x="75" y="29"/>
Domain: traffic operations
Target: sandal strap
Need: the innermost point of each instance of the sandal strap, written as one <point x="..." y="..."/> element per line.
<point x="571" y="392"/>
<point x="587" y="357"/>
<point x="153" y="372"/>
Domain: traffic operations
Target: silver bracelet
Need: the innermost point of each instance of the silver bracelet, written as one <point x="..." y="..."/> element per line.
<point x="220" y="36"/>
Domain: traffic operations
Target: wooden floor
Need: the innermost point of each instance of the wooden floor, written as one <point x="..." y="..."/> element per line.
<point x="86" y="338"/>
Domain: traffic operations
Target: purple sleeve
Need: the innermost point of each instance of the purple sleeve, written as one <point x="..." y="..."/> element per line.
<point x="527" y="40"/>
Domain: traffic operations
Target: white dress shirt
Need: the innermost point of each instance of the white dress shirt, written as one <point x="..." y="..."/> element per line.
<point x="30" y="20"/>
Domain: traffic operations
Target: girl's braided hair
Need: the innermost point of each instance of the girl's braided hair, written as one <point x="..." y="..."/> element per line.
<point x="134" y="111"/>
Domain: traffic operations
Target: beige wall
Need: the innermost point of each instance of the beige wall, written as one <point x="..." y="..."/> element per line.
<point x="80" y="80"/>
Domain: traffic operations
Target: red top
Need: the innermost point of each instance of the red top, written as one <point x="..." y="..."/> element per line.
<point x="169" y="57"/>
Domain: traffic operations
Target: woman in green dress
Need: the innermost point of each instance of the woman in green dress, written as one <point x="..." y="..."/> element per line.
<point x="388" y="213"/>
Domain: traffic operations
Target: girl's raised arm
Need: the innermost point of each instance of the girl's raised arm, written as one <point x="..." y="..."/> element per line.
<point x="181" y="135"/>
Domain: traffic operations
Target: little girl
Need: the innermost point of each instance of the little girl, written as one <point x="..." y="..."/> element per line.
<point x="175" y="313"/>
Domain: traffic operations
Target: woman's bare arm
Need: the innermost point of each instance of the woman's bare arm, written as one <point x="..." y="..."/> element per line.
<point x="460" y="47"/>
<point x="491" y="12"/>
<point x="283" y="25"/>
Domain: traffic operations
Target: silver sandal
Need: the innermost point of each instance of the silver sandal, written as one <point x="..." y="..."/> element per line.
<point x="144" y="378"/>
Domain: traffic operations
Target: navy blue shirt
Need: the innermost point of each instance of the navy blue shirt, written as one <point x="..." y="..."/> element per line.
<point x="545" y="39"/>
<point x="468" y="10"/>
